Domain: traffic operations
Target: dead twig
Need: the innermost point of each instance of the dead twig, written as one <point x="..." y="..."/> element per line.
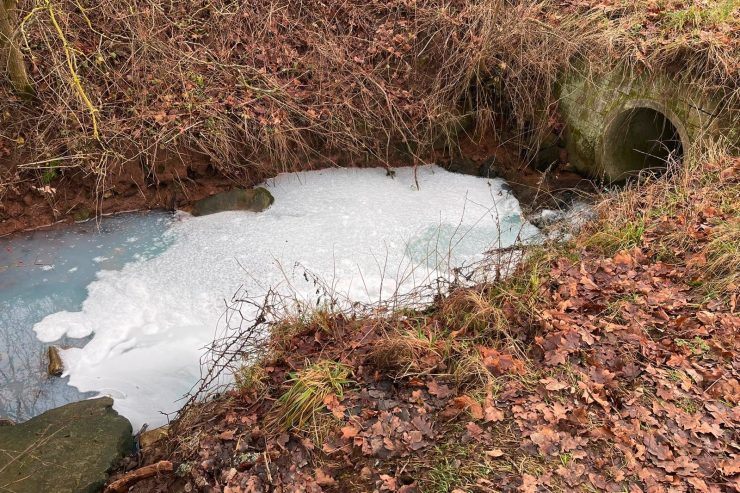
<point x="132" y="477"/>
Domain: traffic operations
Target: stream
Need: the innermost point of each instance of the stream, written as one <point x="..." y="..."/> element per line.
<point x="135" y="298"/>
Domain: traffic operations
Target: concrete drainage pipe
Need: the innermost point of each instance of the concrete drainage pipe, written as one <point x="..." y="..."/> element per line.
<point x="620" y="124"/>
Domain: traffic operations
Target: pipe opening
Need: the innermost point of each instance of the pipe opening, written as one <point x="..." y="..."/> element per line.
<point x="641" y="139"/>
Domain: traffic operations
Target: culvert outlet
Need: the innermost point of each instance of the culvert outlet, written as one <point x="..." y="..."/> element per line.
<point x="619" y="123"/>
<point x="639" y="139"/>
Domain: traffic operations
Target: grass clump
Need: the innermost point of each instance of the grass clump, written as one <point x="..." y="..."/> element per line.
<point x="702" y="17"/>
<point x="49" y="175"/>
<point x="612" y="238"/>
<point x="409" y="351"/>
<point x="252" y="379"/>
<point x="697" y="345"/>
<point x="299" y="407"/>
<point x="722" y="255"/>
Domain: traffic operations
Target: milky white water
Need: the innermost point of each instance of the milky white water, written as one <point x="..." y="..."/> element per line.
<point x="365" y="233"/>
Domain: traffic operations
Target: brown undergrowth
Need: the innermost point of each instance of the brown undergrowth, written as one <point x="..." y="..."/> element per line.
<point x="249" y="89"/>
<point x="606" y="363"/>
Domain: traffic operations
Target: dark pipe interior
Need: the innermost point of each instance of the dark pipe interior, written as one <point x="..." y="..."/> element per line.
<point x="643" y="138"/>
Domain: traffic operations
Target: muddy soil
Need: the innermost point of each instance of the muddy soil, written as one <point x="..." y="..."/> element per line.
<point x="554" y="188"/>
<point x="34" y="200"/>
<point x="31" y="200"/>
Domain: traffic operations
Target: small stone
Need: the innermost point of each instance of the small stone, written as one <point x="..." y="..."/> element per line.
<point x="547" y="217"/>
<point x="464" y="166"/>
<point x="81" y="215"/>
<point x="488" y="168"/>
<point x="255" y="200"/>
<point x="151" y="437"/>
<point x="56" y="365"/>
<point x="547" y="157"/>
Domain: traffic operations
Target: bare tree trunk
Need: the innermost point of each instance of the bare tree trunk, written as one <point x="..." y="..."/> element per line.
<point x="10" y="53"/>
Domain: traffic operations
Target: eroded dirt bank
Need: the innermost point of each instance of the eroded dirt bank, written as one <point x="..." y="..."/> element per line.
<point x="176" y="181"/>
<point x="71" y="195"/>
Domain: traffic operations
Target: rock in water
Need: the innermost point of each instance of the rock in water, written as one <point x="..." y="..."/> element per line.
<point x="66" y="450"/>
<point x="255" y="200"/>
<point x="56" y="366"/>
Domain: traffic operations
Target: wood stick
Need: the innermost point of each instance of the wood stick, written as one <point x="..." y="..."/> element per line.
<point x="122" y="484"/>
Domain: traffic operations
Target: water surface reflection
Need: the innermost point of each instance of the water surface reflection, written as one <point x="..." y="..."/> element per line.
<point x="46" y="271"/>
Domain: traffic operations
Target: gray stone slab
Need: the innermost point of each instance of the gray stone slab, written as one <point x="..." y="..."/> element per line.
<point x="70" y="449"/>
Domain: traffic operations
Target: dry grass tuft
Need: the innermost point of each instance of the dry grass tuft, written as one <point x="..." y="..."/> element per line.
<point x="722" y="254"/>
<point x="409" y="350"/>
<point x="299" y="408"/>
<point x="252" y="379"/>
<point x="468" y="370"/>
<point x="471" y="312"/>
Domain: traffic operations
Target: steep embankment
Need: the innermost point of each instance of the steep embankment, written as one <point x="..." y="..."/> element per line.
<point x="142" y="103"/>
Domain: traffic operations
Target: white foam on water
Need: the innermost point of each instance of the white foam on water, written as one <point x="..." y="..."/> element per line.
<point x="365" y="233"/>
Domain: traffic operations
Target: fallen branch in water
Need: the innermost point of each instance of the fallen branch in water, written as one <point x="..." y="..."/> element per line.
<point x="127" y="480"/>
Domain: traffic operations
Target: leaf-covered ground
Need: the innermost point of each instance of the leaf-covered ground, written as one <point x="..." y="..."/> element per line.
<point x="602" y="365"/>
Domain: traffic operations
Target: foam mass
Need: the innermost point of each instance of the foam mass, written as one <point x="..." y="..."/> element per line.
<point x="365" y="233"/>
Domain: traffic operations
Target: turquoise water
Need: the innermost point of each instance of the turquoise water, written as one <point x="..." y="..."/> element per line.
<point x="47" y="271"/>
<point x="446" y="246"/>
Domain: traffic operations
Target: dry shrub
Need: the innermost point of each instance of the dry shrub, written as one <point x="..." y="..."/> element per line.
<point x="496" y="55"/>
<point x="273" y="85"/>
<point x="260" y="84"/>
